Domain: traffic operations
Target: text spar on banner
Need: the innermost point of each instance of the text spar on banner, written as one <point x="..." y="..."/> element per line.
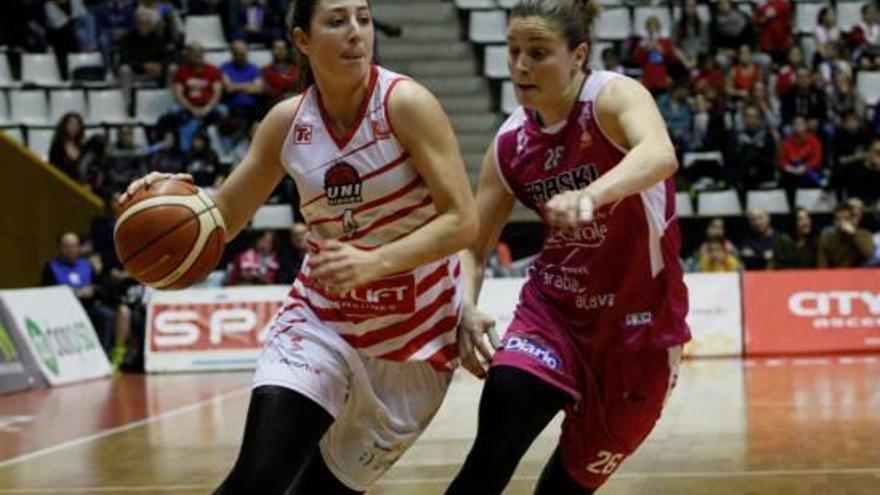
<point x="209" y="329"/>
<point x="57" y="333"/>
<point x="815" y="311"/>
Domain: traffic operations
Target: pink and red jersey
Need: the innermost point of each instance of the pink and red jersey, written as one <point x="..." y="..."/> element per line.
<point x="362" y="189"/>
<point x="616" y="281"/>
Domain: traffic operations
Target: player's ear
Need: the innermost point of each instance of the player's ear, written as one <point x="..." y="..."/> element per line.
<point x="300" y="41"/>
<point x="579" y="60"/>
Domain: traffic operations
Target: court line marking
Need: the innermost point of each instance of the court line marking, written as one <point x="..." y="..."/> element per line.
<point x="410" y="481"/>
<point x="119" y="429"/>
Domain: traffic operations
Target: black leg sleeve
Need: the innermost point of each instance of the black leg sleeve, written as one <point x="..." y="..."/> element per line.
<point x="556" y="481"/>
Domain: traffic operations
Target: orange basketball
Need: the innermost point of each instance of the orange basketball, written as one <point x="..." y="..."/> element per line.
<point x="169" y="235"/>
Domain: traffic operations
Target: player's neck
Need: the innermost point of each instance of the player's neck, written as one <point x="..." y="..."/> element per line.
<point x="342" y="100"/>
<point x="560" y="109"/>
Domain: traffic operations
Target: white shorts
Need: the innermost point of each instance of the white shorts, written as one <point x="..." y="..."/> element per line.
<point x="381" y="407"/>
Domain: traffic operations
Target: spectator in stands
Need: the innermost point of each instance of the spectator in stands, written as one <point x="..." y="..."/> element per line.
<point x="293" y="253"/>
<point x="202" y="161"/>
<point x="142" y="55"/>
<point x="242" y="84"/>
<point x="707" y="72"/>
<point x="865" y="38"/>
<point x="281" y="77"/>
<point x="168" y="158"/>
<point x="744" y="74"/>
<point x="66" y="149"/>
<point x="257" y="22"/>
<point x="197" y="87"/>
<point x="787" y="74"/>
<point x="864" y="180"/>
<point x="731" y="27"/>
<point x="167" y="21"/>
<point x="850" y="149"/>
<point x="125" y="160"/>
<point x="800" y="158"/>
<point x="691" y="36"/>
<point x="799" y="250"/>
<point x="774" y="21"/>
<point x="757" y="251"/>
<point x="846" y="246"/>
<point x="715" y="231"/>
<point x="655" y="54"/>
<point x="71" y="269"/>
<point x="857" y="207"/>
<point x="710" y="109"/>
<point x="676" y="111"/>
<point x="717" y="259"/>
<point x="769" y="107"/>
<point x="844" y="100"/>
<point x="751" y="151"/>
<point x="69" y="28"/>
<point x="804" y="100"/>
<point x="826" y="31"/>
<point x="113" y="19"/>
<point x="611" y="60"/>
<point x="258" y="265"/>
<point x="831" y="61"/>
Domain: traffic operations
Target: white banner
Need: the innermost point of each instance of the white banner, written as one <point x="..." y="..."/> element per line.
<point x="57" y="332"/>
<point x="715" y="314"/>
<point x="209" y="329"/>
<point x="499" y="298"/>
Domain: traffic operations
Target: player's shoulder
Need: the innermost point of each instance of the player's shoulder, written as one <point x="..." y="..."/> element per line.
<point x="513" y="122"/>
<point x="283" y="113"/>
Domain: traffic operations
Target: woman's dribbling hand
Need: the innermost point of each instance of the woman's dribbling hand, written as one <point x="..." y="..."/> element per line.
<point x="148" y="180"/>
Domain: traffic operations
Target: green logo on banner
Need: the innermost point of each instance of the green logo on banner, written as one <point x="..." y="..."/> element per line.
<point x="6" y="346"/>
<point x="41" y="342"/>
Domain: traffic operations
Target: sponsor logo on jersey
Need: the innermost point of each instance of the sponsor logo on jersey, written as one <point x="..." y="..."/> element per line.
<point x="590" y="235"/>
<point x="342" y="185"/>
<point x="638" y="319"/>
<point x="542" y="190"/>
<point x="302" y="134"/>
<point x="349" y="224"/>
<point x="533" y="348"/>
<point x="379" y="132"/>
<point x="394" y="295"/>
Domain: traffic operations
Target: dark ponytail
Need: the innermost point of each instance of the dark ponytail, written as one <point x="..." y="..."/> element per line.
<point x="299" y="15"/>
<point x="573" y="19"/>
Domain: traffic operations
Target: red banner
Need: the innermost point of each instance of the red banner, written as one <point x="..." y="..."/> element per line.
<point x="814" y="311"/>
<point x="210" y="326"/>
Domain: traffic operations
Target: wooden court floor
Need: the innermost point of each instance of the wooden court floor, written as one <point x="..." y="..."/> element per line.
<point x="780" y="426"/>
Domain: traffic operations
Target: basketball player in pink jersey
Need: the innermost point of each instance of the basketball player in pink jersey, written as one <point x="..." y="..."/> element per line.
<point x="359" y="358"/>
<point x="601" y="319"/>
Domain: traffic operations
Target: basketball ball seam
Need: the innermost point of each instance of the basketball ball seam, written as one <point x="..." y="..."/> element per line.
<point x="150" y="243"/>
<point x="189" y="249"/>
<point x="205" y="232"/>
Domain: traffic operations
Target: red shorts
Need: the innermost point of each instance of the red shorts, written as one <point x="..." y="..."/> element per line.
<point x="619" y="395"/>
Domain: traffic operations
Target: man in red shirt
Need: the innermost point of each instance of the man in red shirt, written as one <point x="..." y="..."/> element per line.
<point x="655" y="54"/>
<point x="774" y="20"/>
<point x="800" y="158"/>
<point x="198" y="86"/>
<point x="282" y="75"/>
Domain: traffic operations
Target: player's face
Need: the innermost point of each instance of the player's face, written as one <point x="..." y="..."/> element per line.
<point x="542" y="67"/>
<point x="340" y="39"/>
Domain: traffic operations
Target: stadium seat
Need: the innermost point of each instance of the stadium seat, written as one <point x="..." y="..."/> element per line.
<point x="5" y="118"/>
<point x="140" y="135"/>
<point x="806" y="14"/>
<point x="273" y="217"/>
<point x="6" y="74"/>
<point x="718" y="203"/>
<point x="151" y="104"/>
<point x="684" y="207"/>
<point x="868" y="85"/>
<point x="495" y="62"/>
<point x="709" y="156"/>
<point x="614" y="24"/>
<point x="814" y="200"/>
<point x="849" y="13"/>
<point x="107" y="106"/>
<point x="643" y="13"/>
<point x="29" y="107"/>
<point x="39" y="141"/>
<point x="207" y="30"/>
<point x="40" y="69"/>
<point x="508" y="98"/>
<point x="87" y="59"/>
<point x="507" y="4"/>
<point x="475" y="4"/>
<point x="703" y="12"/>
<point x="596" y="53"/>
<point x="772" y="201"/>
<point x="14" y="133"/>
<point x="218" y="57"/>
<point x="488" y="26"/>
<point x="260" y="58"/>
<point x="62" y="101"/>
<point x="808" y="44"/>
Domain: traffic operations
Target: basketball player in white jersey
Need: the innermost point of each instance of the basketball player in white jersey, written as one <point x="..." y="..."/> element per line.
<point x="359" y="358"/>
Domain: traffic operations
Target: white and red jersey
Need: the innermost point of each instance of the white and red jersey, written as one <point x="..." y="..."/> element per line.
<point x="361" y="189"/>
<point x="616" y="281"/>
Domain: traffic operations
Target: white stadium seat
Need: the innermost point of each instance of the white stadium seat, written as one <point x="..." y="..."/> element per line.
<point x="849" y="13"/>
<point x="107" y="106"/>
<point x="772" y="201"/>
<point x="814" y="200"/>
<point x="596" y="53"/>
<point x="14" y="133"/>
<point x="508" y="98"/>
<point x="806" y="15"/>
<point x="5" y="118"/>
<point x="684" y="207"/>
<point x="868" y="86"/>
<point x="273" y="217"/>
<point x="613" y="24"/>
<point x="718" y="203"/>
<point x="40" y="69"/>
<point x="39" y="141"/>
<point x="495" y="62"/>
<point x="140" y="135"/>
<point x="644" y="13"/>
<point x="475" y="4"/>
<point x="207" y="30"/>
<point x="709" y="156"/>
<point x="151" y="104"/>
<point x="29" y="107"/>
<point x="62" y="101"/>
<point x="88" y="59"/>
<point x="218" y="58"/>
<point x="260" y="58"/>
<point x="488" y="26"/>
<point x="703" y="12"/>
<point x="5" y="74"/>
<point x="507" y="4"/>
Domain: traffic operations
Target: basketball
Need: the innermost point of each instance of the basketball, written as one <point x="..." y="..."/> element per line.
<point x="169" y="235"/>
